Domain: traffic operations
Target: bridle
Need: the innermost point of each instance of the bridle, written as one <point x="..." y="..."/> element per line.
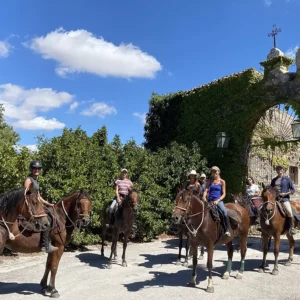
<point x="192" y="230"/>
<point x="263" y="209"/>
<point x="79" y="214"/>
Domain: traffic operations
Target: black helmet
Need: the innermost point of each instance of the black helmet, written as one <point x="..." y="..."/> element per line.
<point x="35" y="164"/>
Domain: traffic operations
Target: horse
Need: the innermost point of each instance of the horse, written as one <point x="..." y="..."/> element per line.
<point x="181" y="232"/>
<point x="68" y="214"/>
<point x="274" y="224"/>
<point x="16" y="202"/>
<point x="205" y="231"/>
<point x="124" y="219"/>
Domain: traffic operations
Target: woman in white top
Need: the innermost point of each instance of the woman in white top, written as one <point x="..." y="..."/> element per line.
<point x="252" y="189"/>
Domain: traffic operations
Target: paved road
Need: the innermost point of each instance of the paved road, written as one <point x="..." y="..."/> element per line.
<point x="151" y="274"/>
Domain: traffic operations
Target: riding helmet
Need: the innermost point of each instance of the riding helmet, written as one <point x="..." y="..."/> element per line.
<point x="35" y="164"/>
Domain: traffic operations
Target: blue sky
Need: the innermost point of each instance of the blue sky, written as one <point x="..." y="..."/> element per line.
<point x="94" y="63"/>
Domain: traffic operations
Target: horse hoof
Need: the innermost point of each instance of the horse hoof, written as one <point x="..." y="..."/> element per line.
<point x="178" y="262"/>
<point x="225" y="275"/>
<point x="261" y="270"/>
<point x="55" y="295"/>
<point x="288" y="264"/>
<point x="239" y="275"/>
<point x="191" y="284"/>
<point x="108" y="266"/>
<point x="201" y="257"/>
<point x="210" y="289"/>
<point x="185" y="264"/>
<point x="124" y="264"/>
<point x="275" y="272"/>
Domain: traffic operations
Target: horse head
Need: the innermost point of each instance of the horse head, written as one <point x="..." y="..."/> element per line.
<point x="133" y="197"/>
<point x="183" y="199"/>
<point x="269" y="196"/>
<point x="83" y="208"/>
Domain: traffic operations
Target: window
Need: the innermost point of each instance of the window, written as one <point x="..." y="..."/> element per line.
<point x="294" y="174"/>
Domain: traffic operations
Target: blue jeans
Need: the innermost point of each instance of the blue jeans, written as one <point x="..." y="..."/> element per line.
<point x="221" y="206"/>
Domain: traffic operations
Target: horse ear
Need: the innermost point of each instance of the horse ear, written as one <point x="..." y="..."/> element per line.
<point x="263" y="185"/>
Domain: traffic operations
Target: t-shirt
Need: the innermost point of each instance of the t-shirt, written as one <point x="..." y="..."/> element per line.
<point x="252" y="189"/>
<point x="123" y="185"/>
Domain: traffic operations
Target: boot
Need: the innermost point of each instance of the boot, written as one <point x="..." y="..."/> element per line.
<point x="47" y="246"/>
<point x="227" y="225"/>
<point x="292" y="230"/>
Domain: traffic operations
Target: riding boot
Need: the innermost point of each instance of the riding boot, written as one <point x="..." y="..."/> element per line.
<point x="47" y="246"/>
<point x="291" y="223"/>
<point x="227" y="225"/>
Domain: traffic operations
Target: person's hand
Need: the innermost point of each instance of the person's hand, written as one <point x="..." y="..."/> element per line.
<point x="282" y="194"/>
<point x="118" y="200"/>
<point x="216" y="202"/>
<point x="50" y="204"/>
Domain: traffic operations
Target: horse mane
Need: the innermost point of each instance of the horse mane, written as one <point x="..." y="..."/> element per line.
<point x="80" y="194"/>
<point x="9" y="201"/>
<point x="241" y="199"/>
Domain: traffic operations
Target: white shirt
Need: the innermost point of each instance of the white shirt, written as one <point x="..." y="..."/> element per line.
<point x="252" y="189"/>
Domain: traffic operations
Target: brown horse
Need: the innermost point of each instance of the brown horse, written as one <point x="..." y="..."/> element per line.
<point x="14" y="203"/>
<point x="124" y="219"/>
<point x="205" y="231"/>
<point x="68" y="214"/>
<point x="177" y="221"/>
<point x="274" y="224"/>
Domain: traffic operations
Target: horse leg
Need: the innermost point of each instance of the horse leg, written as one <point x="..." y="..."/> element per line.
<point x="210" y="254"/>
<point x="201" y="256"/>
<point x="54" y="261"/>
<point x="44" y="281"/>
<point x="103" y="239"/>
<point x="178" y="262"/>
<point x="292" y="248"/>
<point x="192" y="283"/>
<point x="265" y="239"/>
<point x="229" y="248"/>
<point x="113" y="247"/>
<point x="126" y="235"/>
<point x="187" y="244"/>
<point x="243" y="247"/>
<point x="276" y="253"/>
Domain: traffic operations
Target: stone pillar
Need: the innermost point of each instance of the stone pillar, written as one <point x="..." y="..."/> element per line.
<point x="298" y="61"/>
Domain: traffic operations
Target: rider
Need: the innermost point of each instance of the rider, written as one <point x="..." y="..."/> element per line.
<point x="35" y="167"/>
<point x="284" y="188"/>
<point x="215" y="192"/>
<point x="123" y="187"/>
<point x="253" y="193"/>
<point x="193" y="182"/>
<point x="202" y="181"/>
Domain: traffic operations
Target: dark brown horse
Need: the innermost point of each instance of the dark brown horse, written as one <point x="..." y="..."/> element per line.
<point x="124" y="218"/>
<point x="177" y="221"/>
<point x="274" y="224"/>
<point x="14" y="203"/>
<point x="205" y="231"/>
<point x="68" y="214"/>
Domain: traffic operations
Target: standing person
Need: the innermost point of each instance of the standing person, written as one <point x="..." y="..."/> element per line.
<point x="284" y="188"/>
<point x="215" y="192"/>
<point x="122" y="187"/>
<point x="202" y="181"/>
<point x="193" y="182"/>
<point x="35" y="168"/>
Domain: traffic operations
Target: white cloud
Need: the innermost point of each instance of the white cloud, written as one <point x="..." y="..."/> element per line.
<point x="21" y="106"/>
<point x="80" y="51"/>
<point x="268" y="2"/>
<point x="291" y="52"/>
<point x="5" y="48"/>
<point x="39" y="123"/>
<point x="73" y="106"/>
<point x="99" y="109"/>
<point x="141" y="116"/>
<point x="32" y="148"/>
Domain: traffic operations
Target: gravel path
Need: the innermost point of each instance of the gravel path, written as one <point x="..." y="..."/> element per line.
<point x="151" y="274"/>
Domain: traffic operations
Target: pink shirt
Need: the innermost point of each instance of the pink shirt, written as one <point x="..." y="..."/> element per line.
<point x="123" y="185"/>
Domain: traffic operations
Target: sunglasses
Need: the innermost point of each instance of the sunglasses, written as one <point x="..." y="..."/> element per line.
<point x="36" y="169"/>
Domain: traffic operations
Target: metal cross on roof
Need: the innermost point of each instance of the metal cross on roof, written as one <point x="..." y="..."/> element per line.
<point x="273" y="34"/>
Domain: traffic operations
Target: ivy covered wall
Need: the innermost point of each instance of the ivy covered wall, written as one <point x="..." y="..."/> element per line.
<point x="233" y="104"/>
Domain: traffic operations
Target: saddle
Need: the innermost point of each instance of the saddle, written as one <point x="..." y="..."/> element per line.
<point x="284" y="213"/>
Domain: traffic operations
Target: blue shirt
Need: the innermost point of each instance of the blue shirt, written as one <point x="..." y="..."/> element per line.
<point x="285" y="186"/>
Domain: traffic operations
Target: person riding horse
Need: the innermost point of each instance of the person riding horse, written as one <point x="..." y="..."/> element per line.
<point x="35" y="167"/>
<point x="122" y="188"/>
<point x="193" y="183"/>
<point x="215" y="192"/>
<point x="284" y="188"/>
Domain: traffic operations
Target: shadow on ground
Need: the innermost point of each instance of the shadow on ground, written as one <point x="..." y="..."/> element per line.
<point x="25" y="289"/>
<point x="93" y="260"/>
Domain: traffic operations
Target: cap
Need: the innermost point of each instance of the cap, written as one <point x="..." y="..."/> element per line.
<point x="215" y="168"/>
<point x="203" y="175"/>
<point x="124" y="170"/>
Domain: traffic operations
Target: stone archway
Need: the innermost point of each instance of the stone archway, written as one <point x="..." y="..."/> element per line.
<point x="233" y="104"/>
